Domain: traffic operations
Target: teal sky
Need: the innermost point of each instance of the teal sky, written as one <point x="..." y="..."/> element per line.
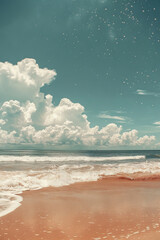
<point x="106" y="54"/>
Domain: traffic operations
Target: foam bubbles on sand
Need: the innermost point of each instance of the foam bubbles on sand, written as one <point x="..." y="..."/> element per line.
<point x="8" y="203"/>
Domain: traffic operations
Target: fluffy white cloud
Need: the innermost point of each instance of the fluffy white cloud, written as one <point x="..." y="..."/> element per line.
<point x="70" y="134"/>
<point x="29" y="117"/>
<point x="8" y="137"/>
<point x="23" y="81"/>
<point x="13" y="115"/>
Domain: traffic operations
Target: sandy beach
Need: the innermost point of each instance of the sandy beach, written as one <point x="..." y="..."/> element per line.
<point x="106" y="209"/>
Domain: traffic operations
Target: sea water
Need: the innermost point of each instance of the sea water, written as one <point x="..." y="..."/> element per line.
<point x="31" y="170"/>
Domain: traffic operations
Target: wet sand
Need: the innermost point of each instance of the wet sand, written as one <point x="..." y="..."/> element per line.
<point x="116" y="209"/>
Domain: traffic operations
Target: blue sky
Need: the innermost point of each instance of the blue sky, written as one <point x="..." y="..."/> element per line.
<point x="105" y="54"/>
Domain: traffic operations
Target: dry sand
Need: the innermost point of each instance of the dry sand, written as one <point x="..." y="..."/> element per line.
<point x="116" y="209"/>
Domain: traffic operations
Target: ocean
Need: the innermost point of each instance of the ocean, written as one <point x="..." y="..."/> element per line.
<point x="22" y="170"/>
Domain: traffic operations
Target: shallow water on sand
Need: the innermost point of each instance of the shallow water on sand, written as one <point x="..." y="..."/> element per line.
<point x="31" y="170"/>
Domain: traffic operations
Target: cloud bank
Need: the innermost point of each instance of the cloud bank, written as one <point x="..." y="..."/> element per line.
<point x="27" y="117"/>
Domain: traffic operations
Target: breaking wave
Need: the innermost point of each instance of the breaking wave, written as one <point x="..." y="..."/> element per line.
<point x="19" y="173"/>
<point x="26" y="158"/>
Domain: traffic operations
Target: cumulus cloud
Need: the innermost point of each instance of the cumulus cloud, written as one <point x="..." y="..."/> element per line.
<point x="29" y="117"/>
<point x="23" y="81"/>
<point x="70" y="134"/>
<point x="8" y="137"/>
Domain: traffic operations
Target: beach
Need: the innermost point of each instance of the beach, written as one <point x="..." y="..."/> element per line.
<point x="110" y="208"/>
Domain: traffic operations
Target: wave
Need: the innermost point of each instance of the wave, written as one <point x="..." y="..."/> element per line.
<point x="14" y="182"/>
<point x="153" y="156"/>
<point x="9" y="202"/>
<point x="27" y="158"/>
<point x="59" y="175"/>
<point x="138" y="176"/>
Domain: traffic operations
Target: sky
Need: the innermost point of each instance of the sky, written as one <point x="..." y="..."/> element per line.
<point x="80" y="74"/>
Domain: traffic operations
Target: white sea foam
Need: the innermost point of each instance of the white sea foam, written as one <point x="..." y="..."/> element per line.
<point x="14" y="182"/>
<point x="27" y="158"/>
<point x="8" y="203"/>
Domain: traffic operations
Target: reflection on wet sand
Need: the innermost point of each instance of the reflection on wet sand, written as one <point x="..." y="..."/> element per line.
<point x="107" y="209"/>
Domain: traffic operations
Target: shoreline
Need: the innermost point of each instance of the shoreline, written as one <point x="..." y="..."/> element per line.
<point x="105" y="209"/>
